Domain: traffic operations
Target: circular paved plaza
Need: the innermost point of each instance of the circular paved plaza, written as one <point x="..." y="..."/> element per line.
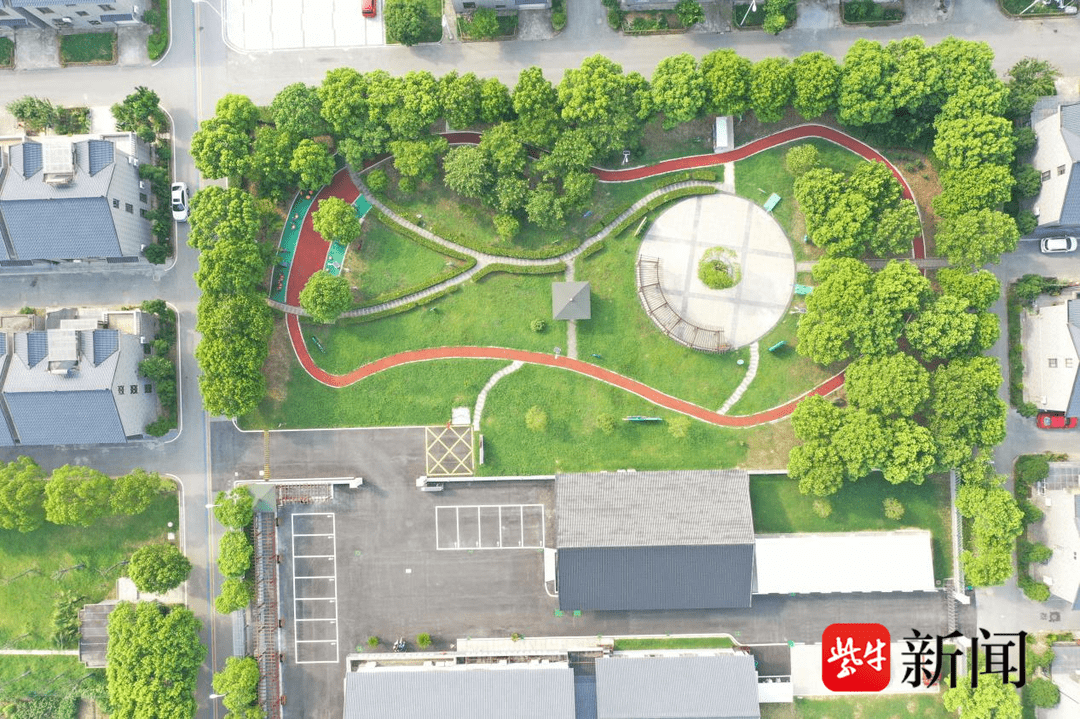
<point x="679" y="238"/>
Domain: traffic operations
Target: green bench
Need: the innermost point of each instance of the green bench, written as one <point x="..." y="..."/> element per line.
<point x="772" y="202"/>
<point x="778" y="345"/>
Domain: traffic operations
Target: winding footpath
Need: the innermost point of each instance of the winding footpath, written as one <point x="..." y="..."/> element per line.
<point x="311" y="254"/>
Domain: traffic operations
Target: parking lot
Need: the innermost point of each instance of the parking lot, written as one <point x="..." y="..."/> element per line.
<point x="511" y="526"/>
<point x="314" y="585"/>
<point x="291" y="24"/>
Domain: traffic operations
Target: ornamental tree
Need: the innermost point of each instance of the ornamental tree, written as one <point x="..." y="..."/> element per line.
<point x="77" y="495"/>
<point x="234" y="509"/>
<point x="141" y="113"/>
<point x="678" y="88"/>
<point x="132" y="493"/>
<point x="22" y="495"/>
<point x="325" y="296"/>
<point x="816" y="81"/>
<point x="727" y="82"/>
<point x="770" y="88"/>
<point x="313" y="165"/>
<point x="335" y="220"/>
<point x="297" y="110"/>
<point x="235" y="594"/>
<point x="468" y="172"/>
<point x="235" y="553"/>
<point x="238" y="682"/>
<point x="157" y="568"/>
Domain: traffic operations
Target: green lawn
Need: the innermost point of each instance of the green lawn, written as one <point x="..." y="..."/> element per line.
<point x="421" y="393"/>
<point x="7" y="52"/>
<point x="687" y="138"/>
<point x="780" y="508"/>
<point x="27" y="602"/>
<point x="493" y="312"/>
<point x="469" y="222"/>
<point x="21" y="676"/>
<point x="674" y="643"/>
<point x="572" y="441"/>
<point x="758" y="176"/>
<point x="388" y="263"/>
<point x="781" y="375"/>
<point x="88" y="47"/>
<point x="922" y="706"/>
<point x="631" y="344"/>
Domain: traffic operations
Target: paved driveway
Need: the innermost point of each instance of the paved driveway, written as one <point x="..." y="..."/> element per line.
<point x="253" y="25"/>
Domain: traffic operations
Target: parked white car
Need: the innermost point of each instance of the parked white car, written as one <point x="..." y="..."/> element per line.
<point x="180" y="201"/>
<point x="1050" y="245"/>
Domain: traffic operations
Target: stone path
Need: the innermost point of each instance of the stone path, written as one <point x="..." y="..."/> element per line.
<point x="571" y="325"/>
<point x="751" y="372"/>
<point x="482" y="397"/>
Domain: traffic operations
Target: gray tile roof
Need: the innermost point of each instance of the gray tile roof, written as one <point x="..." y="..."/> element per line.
<point x="100" y="154"/>
<point x="37" y="347"/>
<point x="3" y="343"/>
<point x="655" y="578"/>
<point x="1070" y="128"/>
<point x="584" y="696"/>
<point x="571" y="301"/>
<point x="1070" y="206"/>
<point x="65" y="417"/>
<point x="105" y="343"/>
<point x="61" y="229"/>
<point x="521" y="691"/>
<point x="645" y="509"/>
<point x="682" y="687"/>
<point x="26" y="158"/>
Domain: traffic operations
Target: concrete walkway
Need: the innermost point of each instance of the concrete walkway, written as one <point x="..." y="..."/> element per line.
<point x="751" y="372"/>
<point x="39" y="652"/>
<point x="482" y="397"/>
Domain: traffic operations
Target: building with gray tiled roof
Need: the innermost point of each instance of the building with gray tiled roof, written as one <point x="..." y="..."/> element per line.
<point x="71" y="14"/>
<point x="1051" y="342"/>
<point x="63" y="200"/>
<point x="1057" y="158"/>
<point x="654" y="540"/>
<point x="76" y="380"/>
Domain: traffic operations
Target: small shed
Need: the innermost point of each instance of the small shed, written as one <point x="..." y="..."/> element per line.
<point x="571" y="301"/>
<point x="723" y="134"/>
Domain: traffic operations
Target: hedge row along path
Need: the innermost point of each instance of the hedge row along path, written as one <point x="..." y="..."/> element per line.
<point x="311" y="254"/>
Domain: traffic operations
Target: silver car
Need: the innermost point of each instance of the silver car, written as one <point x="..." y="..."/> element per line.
<point x="1051" y="245"/>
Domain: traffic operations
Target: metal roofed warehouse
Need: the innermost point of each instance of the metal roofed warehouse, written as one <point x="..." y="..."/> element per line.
<point x="654" y="540"/>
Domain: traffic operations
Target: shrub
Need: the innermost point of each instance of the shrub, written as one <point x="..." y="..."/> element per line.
<point x="156" y="254"/>
<point x="536" y="419"/>
<point x="893" y="508"/>
<point x="407" y="185"/>
<point x="377" y="181"/>
<point x="679" y="427"/>
<point x="235" y="594"/>
<point x="718" y="270"/>
<point x="822" y="508"/>
<point x="801" y="159"/>
<point x="1043" y="692"/>
<point x="558" y="20"/>
<point x="690" y="12"/>
<point x="423" y="640"/>
<point x="373" y="641"/>
<point x="606" y="423"/>
<point x="507" y="226"/>
<point x="1037" y="553"/>
<point x="65" y="619"/>
<point x="538" y="325"/>
<point x="234" y="554"/>
<point x="1035" y="591"/>
<point x="1026" y="222"/>
<point x="484" y="24"/>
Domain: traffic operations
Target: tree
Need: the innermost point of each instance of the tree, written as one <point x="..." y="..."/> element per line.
<point x="235" y="330"/>
<point x="544" y="207"/>
<point x="690" y="12"/>
<point x="153" y="660"/>
<point x="506" y="226"/>
<point x="770" y="88"/>
<point x="965" y="410"/>
<point x="325" y="296"/>
<point x="981" y="289"/>
<point x="572" y="152"/>
<point x="234" y="554"/>
<point x="157" y="568"/>
<point x="598" y="98"/>
<point x="536" y="419"/>
<point x="405" y="21"/>
<point x="232" y="266"/>
<point x="816" y="80"/>
<point x="943" y="330"/>
<point x="238" y="682"/>
<point x="484" y="24"/>
<point x="1030" y="79"/>
<point x="335" y="220"/>
<point x="467" y="172"/>
<point x="801" y="159"/>
<point x="269" y="165"/>
<point x="895" y="229"/>
<point x="776" y="15"/>
<point x="77" y="495"/>
<point x="313" y="164"/>
<point x="968" y="189"/>
<point x="727" y="82"/>
<point x="36" y="114"/>
<point x="976" y="238"/>
<point x="816" y="418"/>
<point x="234" y="509"/>
<point x="460" y="95"/>
<point x="891" y="385"/>
<point x="132" y="493"/>
<point x="220" y="149"/>
<point x="678" y="89"/>
<point x="22" y="495"/>
<point x="418" y="159"/>
<point x="297" y="110"/>
<point x="1043" y="692"/>
<point x="910" y="452"/>
<point x="343" y="101"/>
<point x="217" y="213"/>
<point x="511" y="194"/>
<point x="822" y="508"/>
<point x="141" y="113"/>
<point x="536" y="104"/>
<point x="864" y="97"/>
<point x="861" y="442"/>
<point x="238" y="111"/>
<point x="235" y="594"/>
<point x="974" y="140"/>
<point x="495" y="103"/>
<point x="817" y="467"/>
<point x="1028" y="181"/>
<point x="157" y="368"/>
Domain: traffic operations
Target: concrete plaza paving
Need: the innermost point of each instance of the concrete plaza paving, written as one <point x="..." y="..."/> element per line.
<point x="680" y="236"/>
<point x="253" y="25"/>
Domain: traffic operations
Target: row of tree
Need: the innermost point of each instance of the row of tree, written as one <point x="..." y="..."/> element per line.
<point x="233" y="317"/>
<point x="71" y="495"/>
<point x="235" y="511"/>
<point x="160" y="368"/>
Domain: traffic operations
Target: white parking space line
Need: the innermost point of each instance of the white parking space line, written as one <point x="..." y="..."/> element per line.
<point x="317" y="575"/>
<point x="451" y="544"/>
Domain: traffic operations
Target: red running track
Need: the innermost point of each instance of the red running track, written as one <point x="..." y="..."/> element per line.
<point x="311" y="248"/>
<point x="538" y="358"/>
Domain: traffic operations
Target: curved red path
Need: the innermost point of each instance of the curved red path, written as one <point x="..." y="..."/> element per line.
<point x="547" y="360"/>
<point x="311" y="255"/>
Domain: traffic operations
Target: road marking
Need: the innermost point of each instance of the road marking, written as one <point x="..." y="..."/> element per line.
<point x="297" y="600"/>
<point x="456" y="544"/>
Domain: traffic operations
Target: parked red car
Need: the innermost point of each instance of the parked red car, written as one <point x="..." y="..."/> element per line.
<point x="368" y="8"/>
<point x="1046" y="420"/>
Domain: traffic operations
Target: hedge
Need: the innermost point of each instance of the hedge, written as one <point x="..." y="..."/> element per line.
<point x="592" y="249"/>
<point x="519" y="269"/>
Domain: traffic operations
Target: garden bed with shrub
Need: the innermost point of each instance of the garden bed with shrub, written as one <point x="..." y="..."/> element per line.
<point x="868" y="12"/>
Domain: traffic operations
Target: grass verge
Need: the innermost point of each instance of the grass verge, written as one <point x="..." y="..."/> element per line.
<point x="88" y="48"/>
<point x="7" y="52"/>
<point x="629" y="343"/>
<point x="674" y="643"/>
<point x="782" y="375"/>
<point x="36" y="557"/>
<point x="779" y="508"/>
<point x="25" y="676"/>
<point x="158" y="18"/>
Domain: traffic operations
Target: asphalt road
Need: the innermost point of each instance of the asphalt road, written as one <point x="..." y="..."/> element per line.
<point x="199" y="68"/>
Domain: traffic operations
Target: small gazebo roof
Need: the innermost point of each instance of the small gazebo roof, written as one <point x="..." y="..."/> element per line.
<point x="571" y="301"/>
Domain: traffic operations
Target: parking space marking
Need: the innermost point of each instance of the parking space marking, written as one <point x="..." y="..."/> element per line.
<point x="302" y="563"/>
<point x="493" y="511"/>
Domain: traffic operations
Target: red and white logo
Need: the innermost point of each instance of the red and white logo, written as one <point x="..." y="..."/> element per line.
<point x="855" y="657"/>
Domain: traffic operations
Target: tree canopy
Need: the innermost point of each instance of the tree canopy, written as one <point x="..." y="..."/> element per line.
<point x="22" y="495"/>
<point x="405" y="20"/>
<point x="233" y="509"/>
<point x="678" y="89"/>
<point x="239" y="683"/>
<point x="235" y="553"/>
<point x="77" y="495"/>
<point x="325" y="296"/>
<point x="336" y="221"/>
<point x="297" y="111"/>
<point x="157" y="568"/>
